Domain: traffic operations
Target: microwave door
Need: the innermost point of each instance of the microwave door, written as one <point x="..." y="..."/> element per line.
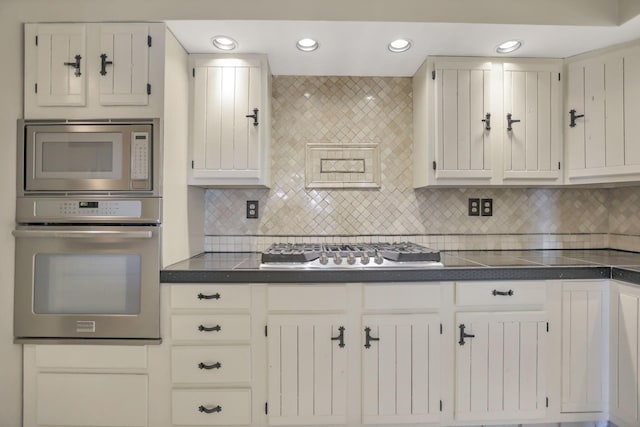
<point x="100" y="282"/>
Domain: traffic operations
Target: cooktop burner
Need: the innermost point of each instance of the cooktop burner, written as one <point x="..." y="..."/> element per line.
<point x="356" y="255"/>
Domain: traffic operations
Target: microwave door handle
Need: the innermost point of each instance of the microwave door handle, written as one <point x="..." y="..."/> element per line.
<point x="83" y="234"/>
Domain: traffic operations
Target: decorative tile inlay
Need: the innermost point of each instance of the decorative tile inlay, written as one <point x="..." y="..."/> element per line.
<point x="345" y="110"/>
<point x="342" y="166"/>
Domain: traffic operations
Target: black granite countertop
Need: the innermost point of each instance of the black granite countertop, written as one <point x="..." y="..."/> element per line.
<point x="244" y="267"/>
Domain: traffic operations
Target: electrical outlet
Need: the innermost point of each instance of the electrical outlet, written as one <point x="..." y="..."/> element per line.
<point x="486" y="207"/>
<point x="252" y="209"/>
<point x="474" y="207"/>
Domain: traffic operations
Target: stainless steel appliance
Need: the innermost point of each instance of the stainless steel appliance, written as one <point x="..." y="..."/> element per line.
<point x="349" y="256"/>
<point x="114" y="156"/>
<point x="88" y="236"/>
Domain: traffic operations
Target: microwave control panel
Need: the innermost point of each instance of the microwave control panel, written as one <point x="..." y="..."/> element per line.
<point x="140" y="156"/>
<point x="88" y="208"/>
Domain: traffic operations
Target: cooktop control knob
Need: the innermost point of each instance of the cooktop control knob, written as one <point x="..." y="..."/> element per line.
<point x="351" y="258"/>
<point x="365" y="258"/>
<point x="337" y="259"/>
<point x="378" y="258"/>
<point x="324" y="259"/>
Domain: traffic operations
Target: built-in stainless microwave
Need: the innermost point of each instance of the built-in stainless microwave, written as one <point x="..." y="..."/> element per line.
<point x="99" y="157"/>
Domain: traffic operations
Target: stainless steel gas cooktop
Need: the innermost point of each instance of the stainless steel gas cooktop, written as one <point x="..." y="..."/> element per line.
<point x="349" y="256"/>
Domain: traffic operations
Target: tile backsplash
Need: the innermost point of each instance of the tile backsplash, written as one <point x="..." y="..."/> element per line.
<point x="347" y="110"/>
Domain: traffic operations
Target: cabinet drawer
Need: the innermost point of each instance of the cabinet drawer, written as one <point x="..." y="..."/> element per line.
<point x="211" y="328"/>
<point x="215" y="364"/>
<point x="211" y="296"/>
<point x="91" y="356"/>
<point x="228" y="407"/>
<point x="500" y="293"/>
<point x="64" y="399"/>
<point x="308" y="297"/>
<point x="401" y="296"/>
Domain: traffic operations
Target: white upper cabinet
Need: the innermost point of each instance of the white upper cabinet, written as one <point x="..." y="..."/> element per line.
<point x="452" y="137"/>
<point x="532" y="135"/>
<point x="487" y="122"/>
<point x="61" y="58"/>
<point x="601" y="125"/>
<point x="231" y="121"/>
<point x="124" y="64"/>
<point x="91" y="71"/>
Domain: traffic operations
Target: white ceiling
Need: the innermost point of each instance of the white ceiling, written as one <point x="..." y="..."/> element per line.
<point x="360" y="48"/>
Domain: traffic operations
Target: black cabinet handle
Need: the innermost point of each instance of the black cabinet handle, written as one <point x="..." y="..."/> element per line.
<point x="216" y="365"/>
<point x="463" y="335"/>
<point x="487" y="121"/>
<point x="368" y="338"/>
<point x="203" y="328"/>
<point x="210" y="410"/>
<point x="213" y="296"/>
<point x="496" y="292"/>
<point x="510" y="121"/>
<point x="75" y="65"/>
<point x="573" y="116"/>
<point x="253" y="116"/>
<point x="103" y="64"/>
<point x="340" y="337"/>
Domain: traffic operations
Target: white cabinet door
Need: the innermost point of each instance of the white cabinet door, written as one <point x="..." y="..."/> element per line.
<point x="604" y="91"/>
<point x="124" y="64"/>
<point x="400" y="368"/>
<point x="500" y="371"/>
<point x="532" y="143"/>
<point x="306" y="370"/>
<point x="625" y="355"/>
<point x="87" y="399"/>
<point x="228" y="146"/>
<point x="60" y="63"/>
<point x="462" y="102"/>
<point x="584" y="347"/>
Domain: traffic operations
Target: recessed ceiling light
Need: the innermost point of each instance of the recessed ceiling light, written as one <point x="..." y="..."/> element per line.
<point x="509" y="46"/>
<point x="307" y="45"/>
<point x="224" y="43"/>
<point x="400" y="45"/>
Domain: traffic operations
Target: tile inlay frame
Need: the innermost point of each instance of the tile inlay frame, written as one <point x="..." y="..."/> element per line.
<point x="365" y="156"/>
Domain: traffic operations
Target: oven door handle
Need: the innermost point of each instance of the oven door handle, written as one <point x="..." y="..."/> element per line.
<point x="83" y="234"/>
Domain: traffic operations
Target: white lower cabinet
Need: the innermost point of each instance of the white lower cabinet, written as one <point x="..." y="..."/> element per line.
<point x="585" y="324"/>
<point x="307" y="369"/>
<point x="625" y="355"/>
<point x="400" y="368"/>
<point x="85" y="386"/>
<point x="500" y="366"/>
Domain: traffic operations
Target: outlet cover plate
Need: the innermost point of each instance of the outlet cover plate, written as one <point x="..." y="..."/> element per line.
<point x="252" y="209"/>
<point x="486" y="206"/>
<point x="474" y="207"/>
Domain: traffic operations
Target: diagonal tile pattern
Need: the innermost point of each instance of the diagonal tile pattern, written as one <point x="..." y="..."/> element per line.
<point x="346" y="110"/>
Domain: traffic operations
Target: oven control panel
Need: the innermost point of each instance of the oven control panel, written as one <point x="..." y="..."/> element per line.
<point x="88" y="208"/>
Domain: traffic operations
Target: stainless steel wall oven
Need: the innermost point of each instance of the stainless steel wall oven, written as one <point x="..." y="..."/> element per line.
<point x="88" y="232"/>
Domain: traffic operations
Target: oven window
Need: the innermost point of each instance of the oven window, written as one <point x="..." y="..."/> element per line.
<point x="87" y="284"/>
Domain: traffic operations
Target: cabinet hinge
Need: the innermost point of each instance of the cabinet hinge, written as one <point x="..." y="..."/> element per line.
<point x="558" y="76"/>
<point x="547" y="401"/>
<point x="434" y="165"/>
<point x="192" y="164"/>
<point x="558" y="165"/>
<point x="547" y="326"/>
<point x="266" y="408"/>
<point x="148" y="89"/>
<point x="441" y="406"/>
<point x="193" y="72"/>
<point x="433" y="75"/>
<point x="440" y="328"/>
<point x="149" y="38"/>
<point x="266" y="332"/>
<point x="36" y="40"/>
<point x="36" y="87"/>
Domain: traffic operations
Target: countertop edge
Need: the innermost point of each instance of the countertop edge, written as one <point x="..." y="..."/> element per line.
<point x="421" y="275"/>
